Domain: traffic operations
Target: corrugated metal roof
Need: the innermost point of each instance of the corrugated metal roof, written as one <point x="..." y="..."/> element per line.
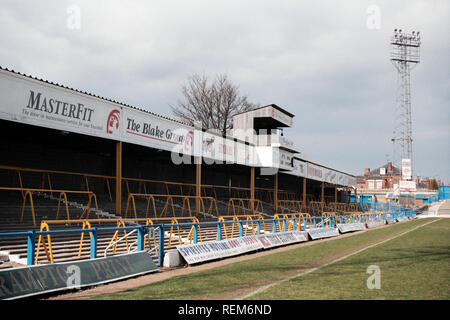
<point x="92" y="95"/>
<point x="149" y="112"/>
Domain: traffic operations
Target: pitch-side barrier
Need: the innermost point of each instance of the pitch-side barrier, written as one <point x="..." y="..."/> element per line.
<point x="195" y="251"/>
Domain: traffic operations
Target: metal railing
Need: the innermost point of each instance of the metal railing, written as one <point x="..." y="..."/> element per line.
<point x="278" y="225"/>
<point x="27" y="193"/>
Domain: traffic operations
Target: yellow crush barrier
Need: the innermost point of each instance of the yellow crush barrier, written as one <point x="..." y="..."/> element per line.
<point x="86" y="225"/>
<point x="27" y="194"/>
<point x="235" y="218"/>
<point x="120" y="223"/>
<point x="48" y="252"/>
<point x="169" y="205"/>
<point x="241" y="206"/>
<point x="289" y="206"/>
<point x="328" y="215"/>
<point x="191" y="232"/>
<point x="304" y="216"/>
<point x="190" y="235"/>
<point x="324" y="214"/>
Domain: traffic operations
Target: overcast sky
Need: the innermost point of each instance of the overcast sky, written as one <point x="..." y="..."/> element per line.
<point x="327" y="62"/>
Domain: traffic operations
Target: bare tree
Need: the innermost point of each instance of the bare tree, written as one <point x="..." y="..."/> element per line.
<point x="212" y="104"/>
<point x="433" y="184"/>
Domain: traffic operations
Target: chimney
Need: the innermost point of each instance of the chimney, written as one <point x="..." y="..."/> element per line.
<point x="366" y="171"/>
<point x="389" y="167"/>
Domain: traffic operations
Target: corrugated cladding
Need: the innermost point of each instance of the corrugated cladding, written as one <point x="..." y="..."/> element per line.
<point x="444" y="192"/>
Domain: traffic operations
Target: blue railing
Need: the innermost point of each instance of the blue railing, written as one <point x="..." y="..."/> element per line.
<point x="317" y="222"/>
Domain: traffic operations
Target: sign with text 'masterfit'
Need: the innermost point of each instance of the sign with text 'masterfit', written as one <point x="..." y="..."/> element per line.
<point x="39" y="279"/>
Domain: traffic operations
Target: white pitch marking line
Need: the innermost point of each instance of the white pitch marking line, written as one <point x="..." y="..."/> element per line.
<point x="263" y="288"/>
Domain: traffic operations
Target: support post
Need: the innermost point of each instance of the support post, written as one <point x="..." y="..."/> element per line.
<point x="219" y="231"/>
<point x="322" y="197"/>
<point x="335" y="194"/>
<point x="140" y="238"/>
<point x="275" y="192"/>
<point x="195" y="235"/>
<point x="304" y="191"/>
<point x="198" y="183"/>
<point x="118" y="177"/>
<point x="31" y="240"/>
<point x="94" y="244"/>
<point x="252" y="190"/>
<point x="161" y="246"/>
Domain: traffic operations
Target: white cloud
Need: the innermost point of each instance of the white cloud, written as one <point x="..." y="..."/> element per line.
<point x="315" y="58"/>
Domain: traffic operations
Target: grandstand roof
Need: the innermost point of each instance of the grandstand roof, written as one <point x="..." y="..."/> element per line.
<point x="15" y="114"/>
<point x="92" y="95"/>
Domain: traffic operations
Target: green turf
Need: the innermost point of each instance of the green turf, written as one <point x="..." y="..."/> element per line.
<point x="413" y="266"/>
<point x="405" y="254"/>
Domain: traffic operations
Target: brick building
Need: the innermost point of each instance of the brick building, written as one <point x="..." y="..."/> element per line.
<point x="386" y="176"/>
<point x="383" y="177"/>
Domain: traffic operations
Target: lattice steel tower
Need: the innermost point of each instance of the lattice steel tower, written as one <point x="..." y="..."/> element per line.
<point x="405" y="55"/>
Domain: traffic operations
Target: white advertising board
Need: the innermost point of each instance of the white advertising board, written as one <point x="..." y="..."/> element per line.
<point x="320" y="233"/>
<point x="374" y="224"/>
<point x="299" y="168"/>
<point x="271" y="240"/>
<point x="211" y="250"/>
<point x="315" y="172"/>
<point x="286" y="159"/>
<point x="142" y="128"/>
<point x="38" y="103"/>
<point x="305" y="169"/>
<point x="407" y="185"/>
<point x="402" y="219"/>
<point x="406" y="169"/>
<point x="330" y="176"/>
<point x="350" y="227"/>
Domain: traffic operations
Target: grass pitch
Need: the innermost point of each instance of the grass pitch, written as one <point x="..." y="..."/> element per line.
<point x="413" y="266"/>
